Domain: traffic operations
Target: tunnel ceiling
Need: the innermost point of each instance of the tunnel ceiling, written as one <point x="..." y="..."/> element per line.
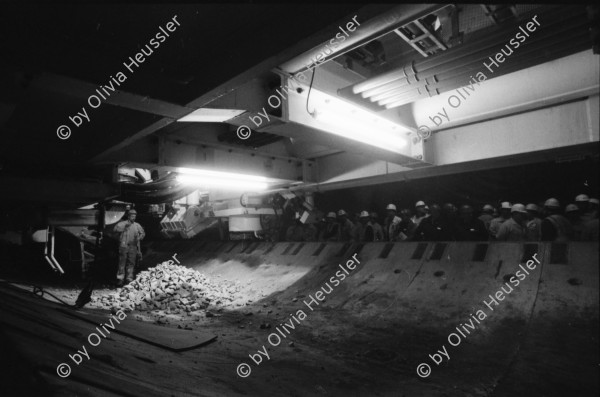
<point x="86" y="45"/>
<point x="453" y="60"/>
<point x="234" y="57"/>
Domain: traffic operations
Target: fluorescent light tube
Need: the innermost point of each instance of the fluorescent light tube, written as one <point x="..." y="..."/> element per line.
<point x="231" y="181"/>
<point x="207" y="115"/>
<point x="229" y="184"/>
<point x="345" y="119"/>
<point x="361" y="130"/>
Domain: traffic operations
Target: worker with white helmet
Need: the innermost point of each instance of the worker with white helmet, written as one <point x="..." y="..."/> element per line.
<point x="514" y="229"/>
<point x="362" y="231"/>
<point x="486" y="216"/>
<point x="533" y="223"/>
<point x="346" y="226"/>
<point x="420" y="213"/>
<point x="390" y="226"/>
<point x="573" y="214"/>
<point x="130" y="234"/>
<point x="505" y="211"/>
<point x="555" y="227"/>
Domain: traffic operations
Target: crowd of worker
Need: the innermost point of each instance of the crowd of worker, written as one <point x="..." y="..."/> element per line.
<point x="511" y="222"/>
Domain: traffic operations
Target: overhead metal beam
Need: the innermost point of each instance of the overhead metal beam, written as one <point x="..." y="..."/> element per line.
<point x="574" y="76"/>
<point x="264" y="67"/>
<point x="588" y="149"/>
<point x="238" y="149"/>
<point x="172" y="152"/>
<point x="82" y="89"/>
<point x="398" y="16"/>
<point x="561" y="125"/>
<point x="553" y="134"/>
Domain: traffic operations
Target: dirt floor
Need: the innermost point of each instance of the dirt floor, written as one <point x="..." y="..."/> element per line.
<point x="357" y="342"/>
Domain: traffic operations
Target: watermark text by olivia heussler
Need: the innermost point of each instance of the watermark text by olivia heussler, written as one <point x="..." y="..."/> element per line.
<point x="244" y="369"/>
<point x="493" y="62"/>
<point x="103" y="92"/>
<point x="64" y="370"/>
<point x="275" y="101"/>
<point x="476" y="319"/>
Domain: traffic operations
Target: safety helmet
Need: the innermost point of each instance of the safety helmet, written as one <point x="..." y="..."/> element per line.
<point x="420" y="204"/>
<point x="341" y="213"/>
<point x="571" y="208"/>
<point x="488" y="207"/>
<point x="532" y="207"/>
<point x="331" y="215"/>
<point x="132" y="212"/>
<point x="391" y="207"/>
<point x="364" y="214"/>
<point x="594" y="201"/>
<point x="552" y="203"/>
<point x="518" y="208"/>
<point x="582" y="197"/>
<point x="506" y="205"/>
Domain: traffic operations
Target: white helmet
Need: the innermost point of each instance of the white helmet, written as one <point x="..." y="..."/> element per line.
<point x="532" y="207"/>
<point x="391" y="207"/>
<point x="420" y="204"/>
<point x="364" y="214"/>
<point x="518" y="208"/>
<point x="552" y="203"/>
<point x="582" y="197"/>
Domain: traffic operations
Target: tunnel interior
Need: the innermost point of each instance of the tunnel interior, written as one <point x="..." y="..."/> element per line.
<point x="299" y="200"/>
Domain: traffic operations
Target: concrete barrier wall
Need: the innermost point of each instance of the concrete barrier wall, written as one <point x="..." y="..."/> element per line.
<point x="422" y="282"/>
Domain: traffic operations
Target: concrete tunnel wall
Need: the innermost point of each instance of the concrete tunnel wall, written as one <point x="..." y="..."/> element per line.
<point x="418" y="282"/>
<point x="404" y="300"/>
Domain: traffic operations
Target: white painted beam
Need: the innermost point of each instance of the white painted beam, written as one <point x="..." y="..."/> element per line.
<point x="553" y="127"/>
<point x="565" y="79"/>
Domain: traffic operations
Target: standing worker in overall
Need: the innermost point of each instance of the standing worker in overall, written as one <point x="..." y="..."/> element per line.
<point x="505" y="213"/>
<point x="514" y="229"/>
<point x="390" y="226"/>
<point x="130" y="234"/>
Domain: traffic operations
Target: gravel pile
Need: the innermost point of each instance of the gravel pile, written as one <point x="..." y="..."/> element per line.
<point x="176" y="289"/>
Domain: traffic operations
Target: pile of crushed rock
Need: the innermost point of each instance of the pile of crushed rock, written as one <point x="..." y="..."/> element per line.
<point x="176" y="289"/>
